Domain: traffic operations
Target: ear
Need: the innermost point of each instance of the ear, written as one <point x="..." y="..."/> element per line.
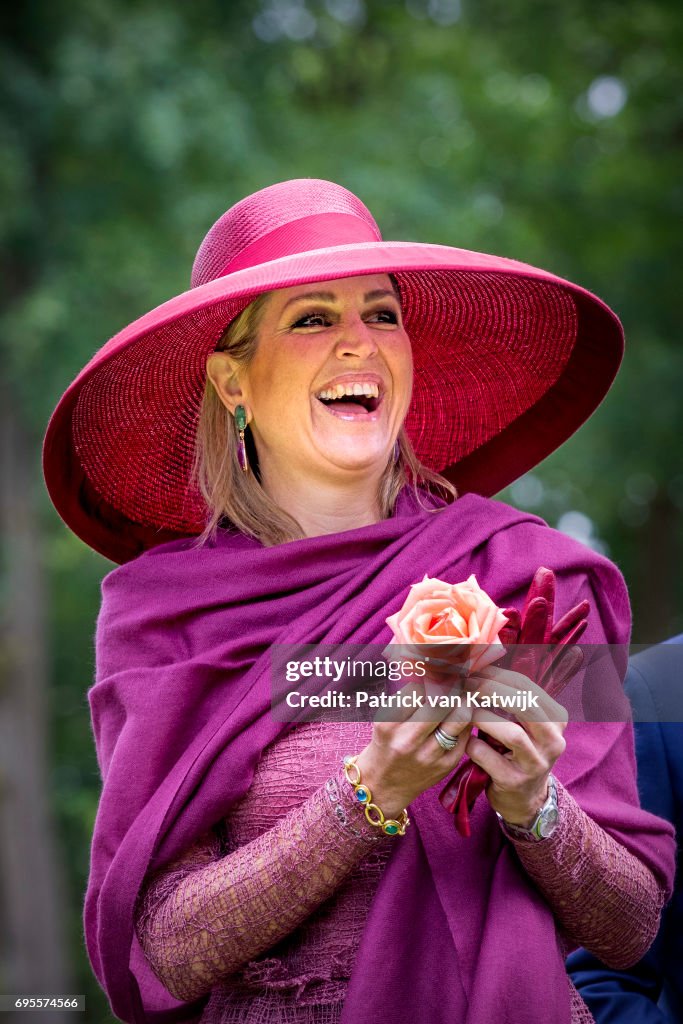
<point x="223" y="372"/>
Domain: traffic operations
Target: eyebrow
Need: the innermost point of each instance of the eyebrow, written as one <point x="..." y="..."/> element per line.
<point x="378" y="293"/>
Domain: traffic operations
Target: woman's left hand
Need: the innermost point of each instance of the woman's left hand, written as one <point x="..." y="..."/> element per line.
<point x="535" y="740"/>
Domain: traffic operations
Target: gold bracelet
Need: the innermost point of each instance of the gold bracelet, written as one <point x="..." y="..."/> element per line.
<point x="373" y="813"/>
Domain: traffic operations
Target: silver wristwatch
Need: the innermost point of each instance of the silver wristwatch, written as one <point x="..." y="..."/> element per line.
<point x="545" y="822"/>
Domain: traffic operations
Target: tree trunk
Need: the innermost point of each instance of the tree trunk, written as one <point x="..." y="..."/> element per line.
<point x="33" y="925"/>
<point x="655" y="612"/>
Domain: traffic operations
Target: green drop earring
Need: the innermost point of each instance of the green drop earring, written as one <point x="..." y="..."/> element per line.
<point x="241" y="424"/>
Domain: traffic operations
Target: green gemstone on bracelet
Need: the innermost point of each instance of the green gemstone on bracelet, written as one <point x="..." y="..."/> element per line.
<point x="362" y="794"/>
<point x="390" y="829"/>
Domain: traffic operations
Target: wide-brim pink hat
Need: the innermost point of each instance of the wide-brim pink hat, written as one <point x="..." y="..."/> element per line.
<point x="509" y="361"/>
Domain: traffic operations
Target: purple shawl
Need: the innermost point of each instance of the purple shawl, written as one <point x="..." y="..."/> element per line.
<point x="181" y="714"/>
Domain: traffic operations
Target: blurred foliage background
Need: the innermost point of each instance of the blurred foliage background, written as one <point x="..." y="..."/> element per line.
<point x="544" y="132"/>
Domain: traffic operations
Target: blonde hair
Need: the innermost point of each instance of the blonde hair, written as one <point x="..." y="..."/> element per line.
<point x="232" y="494"/>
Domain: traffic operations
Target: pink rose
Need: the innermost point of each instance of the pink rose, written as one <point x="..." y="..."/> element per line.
<point x="435" y="612"/>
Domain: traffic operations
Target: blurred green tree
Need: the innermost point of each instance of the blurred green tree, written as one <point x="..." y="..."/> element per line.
<point x="549" y="134"/>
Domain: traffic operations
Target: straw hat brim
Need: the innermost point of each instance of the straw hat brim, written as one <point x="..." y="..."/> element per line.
<point x="509" y="361"/>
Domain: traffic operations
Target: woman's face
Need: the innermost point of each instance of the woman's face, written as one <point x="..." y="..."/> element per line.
<point x="330" y="383"/>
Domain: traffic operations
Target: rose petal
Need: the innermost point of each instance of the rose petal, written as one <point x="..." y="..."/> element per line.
<point x="442" y="613"/>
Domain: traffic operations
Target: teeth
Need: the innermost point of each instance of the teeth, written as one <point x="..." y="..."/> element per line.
<point x="356" y="389"/>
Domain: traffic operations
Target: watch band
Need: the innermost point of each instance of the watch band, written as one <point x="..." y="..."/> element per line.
<point x="545" y="822"/>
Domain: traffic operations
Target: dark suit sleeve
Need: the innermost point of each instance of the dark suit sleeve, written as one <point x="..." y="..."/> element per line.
<point x="626" y="997"/>
<point x="631" y="996"/>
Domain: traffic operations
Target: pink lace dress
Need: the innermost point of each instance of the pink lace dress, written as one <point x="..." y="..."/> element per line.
<point x="266" y="912"/>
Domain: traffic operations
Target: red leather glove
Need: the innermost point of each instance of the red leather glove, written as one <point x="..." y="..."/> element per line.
<point x="551" y="662"/>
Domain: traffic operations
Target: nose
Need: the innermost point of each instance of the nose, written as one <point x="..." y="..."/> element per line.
<point x="355" y="339"/>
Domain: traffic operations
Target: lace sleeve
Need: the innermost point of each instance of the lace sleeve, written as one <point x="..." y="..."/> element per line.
<point x="602" y="895"/>
<point x="203" y="916"/>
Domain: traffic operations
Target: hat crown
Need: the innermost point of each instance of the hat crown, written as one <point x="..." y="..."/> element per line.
<point x="268" y="211"/>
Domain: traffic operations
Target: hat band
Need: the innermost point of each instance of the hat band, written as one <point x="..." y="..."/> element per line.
<point x="317" y="231"/>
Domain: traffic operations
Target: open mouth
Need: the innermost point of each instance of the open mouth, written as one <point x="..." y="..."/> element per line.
<point x="351" y="400"/>
<point x="351" y="403"/>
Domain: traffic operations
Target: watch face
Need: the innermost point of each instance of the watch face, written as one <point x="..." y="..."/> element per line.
<point x="548" y="822"/>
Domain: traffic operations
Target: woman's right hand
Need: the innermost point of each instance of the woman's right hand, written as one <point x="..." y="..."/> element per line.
<point x="404" y="758"/>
